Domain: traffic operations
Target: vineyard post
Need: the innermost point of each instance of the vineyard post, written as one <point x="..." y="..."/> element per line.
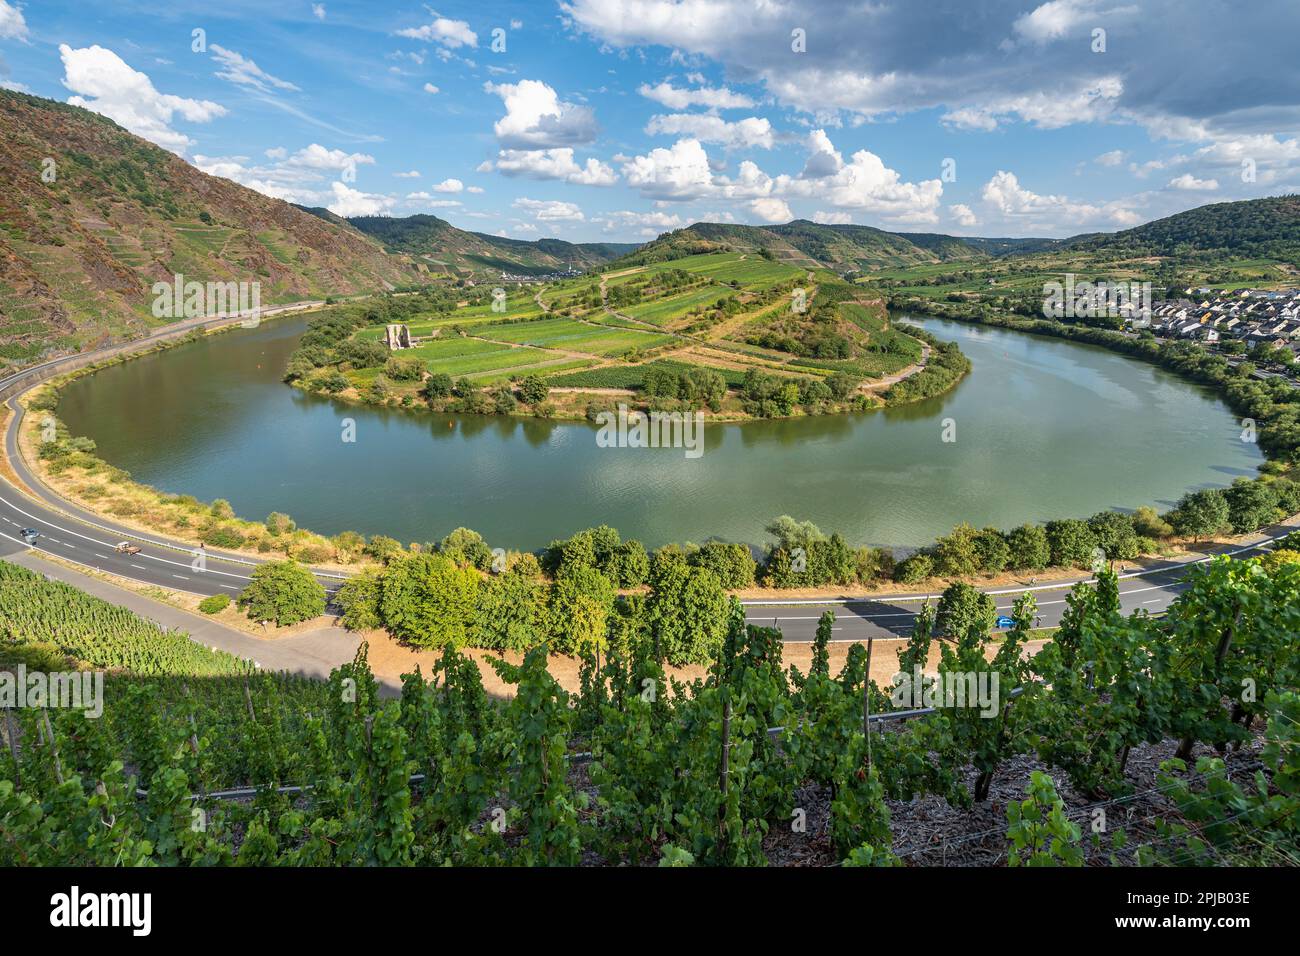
<point x="13" y="743"/>
<point x="866" y="700"/>
<point x="248" y="699"/>
<point x="725" y="773"/>
<point x="54" y="747"/>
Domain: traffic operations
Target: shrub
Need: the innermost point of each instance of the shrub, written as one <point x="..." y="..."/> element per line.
<point x="284" y="592"/>
<point x="214" y="604"/>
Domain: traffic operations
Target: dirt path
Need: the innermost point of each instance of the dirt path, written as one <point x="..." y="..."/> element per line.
<point x="908" y="372"/>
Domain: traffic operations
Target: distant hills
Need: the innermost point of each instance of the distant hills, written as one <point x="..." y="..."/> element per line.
<point x="440" y="246"/>
<point x="844" y="248"/>
<point x="81" y="246"/>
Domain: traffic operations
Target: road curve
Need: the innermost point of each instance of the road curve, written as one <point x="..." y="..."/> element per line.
<point x="76" y="535"/>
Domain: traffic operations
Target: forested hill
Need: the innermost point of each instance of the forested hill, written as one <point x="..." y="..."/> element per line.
<point x="440" y="245"/>
<point x="1268" y="228"/>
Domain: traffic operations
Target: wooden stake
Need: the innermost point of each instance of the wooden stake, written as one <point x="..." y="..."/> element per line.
<point x="866" y="701"/>
<point x="54" y="747"/>
<point x="248" y="699"/>
<point x="725" y="774"/>
<point x="13" y="743"/>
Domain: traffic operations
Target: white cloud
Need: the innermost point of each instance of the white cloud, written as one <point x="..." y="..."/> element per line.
<point x="752" y="132"/>
<point x="409" y="174"/>
<point x="449" y="186"/>
<point x="297" y="177"/>
<point x="1024" y="208"/>
<point x="1055" y="19"/>
<point x="430" y="88"/>
<point x="679" y="172"/>
<point x="864" y="182"/>
<point x="1094" y="101"/>
<point x="1112" y="158"/>
<point x="771" y="210"/>
<point x="1190" y="183"/>
<point x="835" y="218"/>
<point x="963" y="215"/>
<point x="107" y="85"/>
<point x="318" y="11"/>
<point x="473" y="189"/>
<point x="353" y="202"/>
<point x="550" y="210"/>
<point x="239" y="69"/>
<point x="550" y="164"/>
<point x="537" y="119"/>
<point x="277" y="152"/>
<point x="516" y="24"/>
<point x="12" y="24"/>
<point x="448" y="33"/>
<point x="428" y="200"/>
<point x="317" y="156"/>
<point x="678" y="98"/>
<point x="647" y="223"/>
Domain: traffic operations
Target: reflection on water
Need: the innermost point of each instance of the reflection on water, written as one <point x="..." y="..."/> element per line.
<point x="1045" y="428"/>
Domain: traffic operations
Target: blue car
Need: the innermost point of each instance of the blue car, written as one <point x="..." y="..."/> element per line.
<point x="1003" y="622"/>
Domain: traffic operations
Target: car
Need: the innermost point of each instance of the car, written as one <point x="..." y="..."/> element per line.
<point x="29" y="535"/>
<point x="1004" y="622"/>
<point x="126" y="547"/>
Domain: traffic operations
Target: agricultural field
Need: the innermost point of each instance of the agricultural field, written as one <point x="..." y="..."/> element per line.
<point x="729" y="316"/>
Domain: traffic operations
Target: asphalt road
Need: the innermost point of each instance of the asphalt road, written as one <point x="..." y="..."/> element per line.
<point x="76" y="535"/>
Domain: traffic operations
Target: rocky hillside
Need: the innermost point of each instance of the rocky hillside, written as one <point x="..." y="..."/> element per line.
<point x="91" y="216"/>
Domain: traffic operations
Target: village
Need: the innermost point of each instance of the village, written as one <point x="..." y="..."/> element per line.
<point x="1250" y="317"/>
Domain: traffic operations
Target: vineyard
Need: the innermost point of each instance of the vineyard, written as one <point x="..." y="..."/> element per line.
<point x="1122" y="741"/>
<point x="50" y="621"/>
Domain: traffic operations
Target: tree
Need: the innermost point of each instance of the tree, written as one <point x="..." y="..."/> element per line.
<point x="956" y="554"/>
<point x="466" y="547"/>
<point x="1030" y="549"/>
<point x="687" y="614"/>
<point x="427" y="600"/>
<point x="510" y="612"/>
<point x="436" y="386"/>
<point x="732" y="563"/>
<point x="631" y="564"/>
<point x="284" y="592"/>
<point x="1072" y="543"/>
<point x="359" y="599"/>
<point x="1115" y="535"/>
<point x="1251" y="505"/>
<point x="914" y="569"/>
<point x="534" y="390"/>
<point x="1200" y="514"/>
<point x="965" y="613"/>
<point x="579" y="607"/>
<point x="278" y="524"/>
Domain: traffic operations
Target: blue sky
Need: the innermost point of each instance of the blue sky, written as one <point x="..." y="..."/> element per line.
<point x="620" y="119"/>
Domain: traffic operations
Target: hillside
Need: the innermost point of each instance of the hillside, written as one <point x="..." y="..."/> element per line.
<point x="442" y="246"/>
<point x="79" y="254"/>
<point x="1268" y="228"/>
<point x="844" y="248"/>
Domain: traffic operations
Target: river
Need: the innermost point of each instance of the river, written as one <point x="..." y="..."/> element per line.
<point x="1043" y="428"/>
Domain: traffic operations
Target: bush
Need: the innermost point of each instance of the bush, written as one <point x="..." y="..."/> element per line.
<point x="1072" y="543"/>
<point x="359" y="599"/>
<point x="534" y="390"/>
<point x="214" y="604"/>
<point x="284" y="592"/>
<point x="427" y="600"/>
<point x="915" y="569"/>
<point x="1029" y="548"/>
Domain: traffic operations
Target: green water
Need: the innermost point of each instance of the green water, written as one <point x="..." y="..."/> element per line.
<point x="1044" y="428"/>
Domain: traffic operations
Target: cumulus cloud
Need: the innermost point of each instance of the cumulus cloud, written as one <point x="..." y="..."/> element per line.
<point x="832" y="217"/>
<point x="1058" y="18"/>
<point x="449" y="186"/>
<point x="1189" y="182"/>
<point x="550" y="210"/>
<point x="770" y="209"/>
<point x="448" y="33"/>
<point x="409" y="174"/>
<point x="678" y="172"/>
<point x="864" y="182"/>
<point x="1112" y="158"/>
<point x="963" y="215"/>
<point x="537" y="119"/>
<point x="104" y="83"/>
<point x="352" y="202"/>
<point x="318" y="11"/>
<point x="1005" y="197"/>
<point x="550" y="164"/>
<point x="755" y="131"/>
<point x="242" y="71"/>
<point x="430" y="88"/>
<point x="680" y="98"/>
